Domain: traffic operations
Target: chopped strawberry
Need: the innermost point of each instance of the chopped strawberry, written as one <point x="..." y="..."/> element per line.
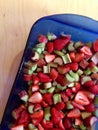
<point x="72" y="66"/>
<point x="47" y="97"/>
<point x="60" y="43"/>
<point x="87" y="121"/>
<point x="79" y="106"/>
<point x="67" y="123"/>
<point x="83" y="63"/>
<point x="53" y="74"/>
<point x="72" y="56"/>
<point x="90" y="107"/>
<point x="89" y="84"/>
<point x="35" y="88"/>
<point x="35" y="98"/>
<point x="69" y="92"/>
<point x="44" y="104"/>
<point x="78" y="121"/>
<point x="95" y="46"/>
<point x="42" y="39"/>
<point x="91" y="64"/>
<point x="49" y="57"/>
<point x="81" y="98"/>
<point x="43" y="77"/>
<point x="37" y="107"/>
<point x="60" y="106"/>
<point x="94" y="89"/>
<point x="75" y="113"/>
<point x="89" y="94"/>
<point x="18" y="127"/>
<point x="47" y="125"/>
<point x="50" y="47"/>
<point x="63" y="70"/>
<point x="79" y="57"/>
<point x="86" y="50"/>
<point x="76" y="88"/>
<point x="60" y="125"/>
<point x="35" y="79"/>
<point x="41" y="62"/>
<point x="55" y="129"/>
<point x="27" y="77"/>
<point x="37" y="115"/>
<point x="64" y="96"/>
<point x="40" y="127"/>
<point x="56" y="115"/>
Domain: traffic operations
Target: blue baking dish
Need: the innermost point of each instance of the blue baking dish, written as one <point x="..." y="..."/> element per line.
<point x="79" y="27"/>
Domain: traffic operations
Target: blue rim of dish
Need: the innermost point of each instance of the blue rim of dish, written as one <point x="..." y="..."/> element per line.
<point x="55" y="17"/>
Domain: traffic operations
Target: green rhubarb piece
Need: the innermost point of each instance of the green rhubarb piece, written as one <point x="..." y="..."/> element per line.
<point x="66" y="59"/>
<point x="59" y="53"/>
<point x="47" y="85"/>
<point x="45" y="69"/>
<point x="39" y="69"/>
<point x="69" y="78"/>
<point x="52" y="64"/>
<point x="87" y="71"/>
<point x="85" y="79"/>
<point x="96" y="100"/>
<point x="74" y="75"/>
<point x="94" y="69"/>
<point x="79" y="72"/>
<point x="85" y="114"/>
<point x="47" y="114"/>
<point x="25" y="98"/>
<point x="40" y="45"/>
<point x="30" y="109"/>
<point x="28" y="64"/>
<point x="56" y="98"/>
<point x="38" y="50"/>
<point x="76" y="127"/>
<point x="71" y="47"/>
<point x="28" y="71"/>
<point x="64" y="50"/>
<point x="69" y="105"/>
<point x="33" y="67"/>
<point x="51" y="90"/>
<point x="83" y="127"/>
<point x="30" y="83"/>
<point x="96" y="112"/>
<point x="51" y="36"/>
<point x="31" y="126"/>
<point x="89" y="44"/>
<point x="61" y="87"/>
<point x="71" y="85"/>
<point x="78" y="44"/>
<point x="43" y="91"/>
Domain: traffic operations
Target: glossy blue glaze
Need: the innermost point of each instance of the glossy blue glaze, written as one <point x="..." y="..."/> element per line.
<point x="80" y="27"/>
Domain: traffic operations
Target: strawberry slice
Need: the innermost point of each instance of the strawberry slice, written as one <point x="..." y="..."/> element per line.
<point x="47" y="125"/>
<point x="44" y="104"/>
<point x="42" y="39"/>
<point x="67" y="123"/>
<point x="35" y="79"/>
<point x="63" y="69"/>
<point x="95" y="46"/>
<point x="60" y="43"/>
<point x="49" y="57"/>
<point x="60" y="106"/>
<point x="94" y="89"/>
<point x="72" y="56"/>
<point x="18" y="127"/>
<point x="60" y="125"/>
<point x="56" y="115"/>
<point x="40" y="127"/>
<point x="47" y="97"/>
<point x="35" y="98"/>
<point x="79" y="57"/>
<point x="37" y="115"/>
<point x="40" y="62"/>
<point x="81" y="98"/>
<point x="89" y="84"/>
<point x="64" y="97"/>
<point x="53" y="74"/>
<point x="78" y="121"/>
<point x="69" y="92"/>
<point x="76" y="88"/>
<point x="75" y="113"/>
<point x="35" y="88"/>
<point x="37" y="107"/>
<point x="90" y="107"/>
<point x="50" y="47"/>
<point x="27" y="77"/>
<point x="72" y="66"/>
<point x="43" y="77"/>
<point x="78" y="105"/>
<point x="86" y="50"/>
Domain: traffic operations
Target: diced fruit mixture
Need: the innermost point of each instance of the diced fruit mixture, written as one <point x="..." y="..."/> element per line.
<point x="62" y="79"/>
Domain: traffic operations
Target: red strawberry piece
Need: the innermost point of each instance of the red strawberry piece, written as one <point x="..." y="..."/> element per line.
<point x="72" y="66"/>
<point x="37" y="107"/>
<point x="27" y="77"/>
<point x="91" y="64"/>
<point x="44" y="104"/>
<point x="60" y="125"/>
<point x="67" y="123"/>
<point x="64" y="96"/>
<point x="37" y="115"/>
<point x="63" y="69"/>
<point x="76" y="87"/>
<point x="43" y="77"/>
<point x="56" y="115"/>
<point x="94" y="89"/>
<point x="95" y="46"/>
<point x="47" y="97"/>
<point x="78" y="121"/>
<point x="42" y="39"/>
<point x="87" y="121"/>
<point x="55" y="129"/>
<point x="78" y="105"/>
<point x="83" y="64"/>
<point x="89" y="84"/>
<point x="60" y="106"/>
<point x="75" y="113"/>
<point x="16" y="112"/>
<point x="90" y="107"/>
<point x="35" y="88"/>
<point x="81" y="98"/>
<point x="18" y="127"/>
<point x="40" y="127"/>
<point x="22" y="94"/>
<point x="35" y="79"/>
<point x="60" y="43"/>
<point x="47" y="125"/>
<point x="89" y="95"/>
<point x="53" y="74"/>
<point x="86" y="50"/>
<point x="49" y="57"/>
<point x="35" y="98"/>
<point x="41" y="62"/>
<point x="72" y="56"/>
<point x="24" y="118"/>
<point x="50" y="47"/>
<point x="69" y="92"/>
<point x="79" y="57"/>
